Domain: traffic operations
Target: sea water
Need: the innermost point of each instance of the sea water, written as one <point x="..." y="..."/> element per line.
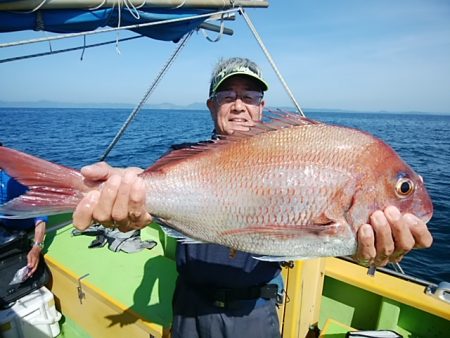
<point x="76" y="137"/>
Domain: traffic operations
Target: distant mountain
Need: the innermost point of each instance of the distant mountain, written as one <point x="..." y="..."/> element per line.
<point x="54" y="104"/>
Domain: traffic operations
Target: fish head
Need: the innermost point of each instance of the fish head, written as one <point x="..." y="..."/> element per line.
<point x="390" y="181"/>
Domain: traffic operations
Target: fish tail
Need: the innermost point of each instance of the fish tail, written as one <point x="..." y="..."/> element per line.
<point x="52" y="188"/>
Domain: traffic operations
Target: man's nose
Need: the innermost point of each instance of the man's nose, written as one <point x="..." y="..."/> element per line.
<point x="238" y="104"/>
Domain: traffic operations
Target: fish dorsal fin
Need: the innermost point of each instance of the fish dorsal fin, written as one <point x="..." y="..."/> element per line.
<point x="273" y="120"/>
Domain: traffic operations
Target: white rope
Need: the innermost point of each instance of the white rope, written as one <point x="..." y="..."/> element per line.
<point x="133" y="10"/>
<point x="112" y="29"/>
<point x="119" y="18"/>
<point x="180" y="5"/>
<point x="99" y="6"/>
<point x="36" y="8"/>
<point x="219" y="35"/>
<point x="141" y="5"/>
<point x="269" y="57"/>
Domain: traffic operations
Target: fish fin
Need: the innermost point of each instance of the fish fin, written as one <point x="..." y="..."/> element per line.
<point x="273" y="120"/>
<point x="323" y="220"/>
<point x="176" y="234"/>
<point x="285" y="231"/>
<point x="281" y="258"/>
<point x="52" y="188"/>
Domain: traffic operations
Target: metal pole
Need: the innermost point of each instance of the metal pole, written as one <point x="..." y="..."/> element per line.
<point x="269" y="57"/>
<point x="146" y="96"/>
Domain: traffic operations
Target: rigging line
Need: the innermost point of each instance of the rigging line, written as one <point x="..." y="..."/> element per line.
<point x="32" y="10"/>
<point x="132" y="9"/>
<point x="136" y="110"/>
<point x="119" y="19"/>
<point x="219" y="36"/>
<point x="180" y="5"/>
<point x="112" y="29"/>
<point x="84" y="48"/>
<point x="269" y="57"/>
<point x="67" y="49"/>
<point x="97" y="7"/>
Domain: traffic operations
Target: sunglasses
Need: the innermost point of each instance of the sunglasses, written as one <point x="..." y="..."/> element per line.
<point x="250" y="97"/>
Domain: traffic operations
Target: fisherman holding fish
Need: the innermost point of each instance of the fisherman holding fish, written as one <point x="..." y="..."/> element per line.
<point x="222" y="292"/>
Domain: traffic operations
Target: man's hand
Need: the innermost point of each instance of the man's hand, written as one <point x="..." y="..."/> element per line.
<point x="389" y="237"/>
<point x="120" y="203"/>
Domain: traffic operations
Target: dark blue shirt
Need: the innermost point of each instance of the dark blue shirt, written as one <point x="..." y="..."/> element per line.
<point x="9" y="189"/>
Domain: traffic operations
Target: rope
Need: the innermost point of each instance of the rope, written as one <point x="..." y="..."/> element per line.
<point x="35" y="8"/>
<point x="119" y="19"/>
<point x="99" y="6"/>
<point x="146" y="96"/>
<point x="68" y="50"/>
<point x="112" y="29"/>
<point x="219" y="36"/>
<point x="269" y="57"/>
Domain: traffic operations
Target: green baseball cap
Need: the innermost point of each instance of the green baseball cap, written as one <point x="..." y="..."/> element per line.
<point x="235" y="66"/>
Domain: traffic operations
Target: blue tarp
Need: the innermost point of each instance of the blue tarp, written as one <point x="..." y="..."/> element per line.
<point x="71" y="21"/>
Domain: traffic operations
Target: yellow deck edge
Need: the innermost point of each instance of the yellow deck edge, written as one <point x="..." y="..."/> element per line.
<point x="387" y="286"/>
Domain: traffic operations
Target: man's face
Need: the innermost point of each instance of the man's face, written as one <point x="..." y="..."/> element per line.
<point x="229" y="114"/>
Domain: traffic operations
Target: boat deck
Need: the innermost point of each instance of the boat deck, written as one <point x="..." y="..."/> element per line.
<point x="131" y="293"/>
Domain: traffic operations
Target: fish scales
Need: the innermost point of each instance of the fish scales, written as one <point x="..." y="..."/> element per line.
<point x="262" y="194"/>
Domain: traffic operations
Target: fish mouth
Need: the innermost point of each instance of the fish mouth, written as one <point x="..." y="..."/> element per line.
<point x="425" y="217"/>
<point x="426" y="212"/>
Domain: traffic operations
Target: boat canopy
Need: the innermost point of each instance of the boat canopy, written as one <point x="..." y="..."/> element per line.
<point x="65" y="16"/>
<point x="74" y="21"/>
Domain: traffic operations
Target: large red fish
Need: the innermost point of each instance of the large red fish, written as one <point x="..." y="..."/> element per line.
<point x="289" y="188"/>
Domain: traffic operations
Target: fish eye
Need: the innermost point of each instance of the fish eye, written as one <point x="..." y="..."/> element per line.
<point x="404" y="187"/>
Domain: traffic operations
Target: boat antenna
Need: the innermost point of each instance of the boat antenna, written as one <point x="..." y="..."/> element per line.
<point x="269" y="58"/>
<point x="138" y="108"/>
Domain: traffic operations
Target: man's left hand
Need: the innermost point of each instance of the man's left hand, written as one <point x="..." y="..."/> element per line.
<point x="390" y="236"/>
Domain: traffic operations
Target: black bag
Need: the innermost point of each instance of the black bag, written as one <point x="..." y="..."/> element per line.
<point x="14" y="249"/>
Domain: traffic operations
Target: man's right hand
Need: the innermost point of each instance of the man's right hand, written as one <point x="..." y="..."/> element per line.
<point x="118" y="203"/>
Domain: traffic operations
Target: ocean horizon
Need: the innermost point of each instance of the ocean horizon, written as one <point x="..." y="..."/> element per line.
<point x="194" y="106"/>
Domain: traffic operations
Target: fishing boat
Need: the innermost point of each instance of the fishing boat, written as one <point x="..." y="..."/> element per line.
<point x="101" y="293"/>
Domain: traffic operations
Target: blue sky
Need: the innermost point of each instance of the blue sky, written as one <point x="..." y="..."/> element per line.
<point x="356" y="55"/>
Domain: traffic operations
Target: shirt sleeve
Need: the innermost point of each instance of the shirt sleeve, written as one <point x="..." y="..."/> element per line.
<point x="41" y="218"/>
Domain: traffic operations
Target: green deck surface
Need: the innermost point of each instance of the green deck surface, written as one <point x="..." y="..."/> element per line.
<point x="365" y="310"/>
<point x="143" y="282"/>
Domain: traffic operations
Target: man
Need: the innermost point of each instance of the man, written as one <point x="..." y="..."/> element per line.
<point x="9" y="189"/>
<point x="203" y="304"/>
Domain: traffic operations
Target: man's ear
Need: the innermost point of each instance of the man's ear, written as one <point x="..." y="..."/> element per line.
<point x="261" y="108"/>
<point x="212" y="106"/>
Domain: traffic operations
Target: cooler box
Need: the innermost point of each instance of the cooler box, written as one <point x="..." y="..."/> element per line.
<point x="32" y="316"/>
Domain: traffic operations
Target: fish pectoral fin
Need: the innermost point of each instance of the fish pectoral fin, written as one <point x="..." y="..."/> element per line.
<point x="323" y="220"/>
<point x="284" y="231"/>
<point x="281" y="258"/>
<point x="180" y="237"/>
